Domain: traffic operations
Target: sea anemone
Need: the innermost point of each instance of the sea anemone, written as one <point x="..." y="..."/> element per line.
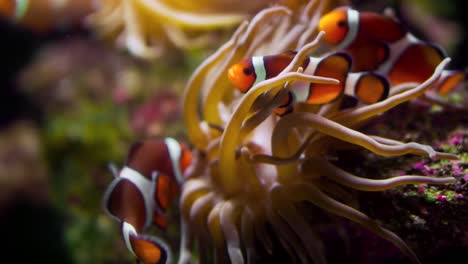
<point x="146" y="27"/>
<point x="255" y="175"/>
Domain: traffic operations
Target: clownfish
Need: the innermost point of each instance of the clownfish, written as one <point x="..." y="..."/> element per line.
<point x="44" y="15"/>
<point x="368" y="87"/>
<point x="142" y="191"/>
<point x="380" y="43"/>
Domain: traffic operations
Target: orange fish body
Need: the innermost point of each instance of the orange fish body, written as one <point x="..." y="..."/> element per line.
<point x="367" y="87"/>
<point x="143" y="190"/>
<point x="44" y="15"/>
<point x="380" y="43"/>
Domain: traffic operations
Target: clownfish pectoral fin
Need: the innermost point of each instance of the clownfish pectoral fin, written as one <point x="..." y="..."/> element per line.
<point x="160" y="220"/>
<point x="337" y="66"/>
<point x="449" y="81"/>
<point x="286" y="107"/>
<point x="161" y="191"/>
<point x="367" y="87"/>
<point x="348" y="101"/>
<point x="416" y="63"/>
<point x="147" y="249"/>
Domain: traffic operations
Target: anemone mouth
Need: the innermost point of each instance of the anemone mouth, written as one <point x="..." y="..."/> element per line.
<point x="253" y="171"/>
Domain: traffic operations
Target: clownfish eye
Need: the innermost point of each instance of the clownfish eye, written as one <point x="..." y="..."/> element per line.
<point x="341" y="23"/>
<point x="247" y="71"/>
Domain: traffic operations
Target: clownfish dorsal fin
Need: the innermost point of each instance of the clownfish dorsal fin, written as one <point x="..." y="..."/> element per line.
<point x="380" y="27"/>
<point x="291" y="52"/>
<point x="275" y="64"/>
<point x="337" y="66"/>
<point x="132" y="152"/>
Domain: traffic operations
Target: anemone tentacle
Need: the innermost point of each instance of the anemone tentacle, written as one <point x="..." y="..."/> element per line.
<point x="190" y="98"/>
<point x="214" y="96"/>
<point x="311" y="193"/>
<point x="369" y="111"/>
<point x="307" y="236"/>
<point x="363" y="184"/>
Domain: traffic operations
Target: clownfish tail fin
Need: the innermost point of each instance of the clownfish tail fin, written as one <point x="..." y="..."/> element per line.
<point x="367" y="87"/>
<point x="147" y="249"/>
<point x="450" y="80"/>
<point x="151" y="249"/>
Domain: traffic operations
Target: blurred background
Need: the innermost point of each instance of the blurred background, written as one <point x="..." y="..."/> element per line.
<point x="72" y="100"/>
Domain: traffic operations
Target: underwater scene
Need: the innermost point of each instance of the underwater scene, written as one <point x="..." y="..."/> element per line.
<point x="223" y="131"/>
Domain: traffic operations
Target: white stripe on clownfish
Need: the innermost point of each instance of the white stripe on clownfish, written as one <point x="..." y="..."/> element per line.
<point x="127" y="229"/>
<point x="350" y="86"/>
<point x="175" y="153"/>
<point x="353" y="28"/>
<point x="259" y="67"/>
<point x="300" y="90"/>
<point x="144" y="185"/>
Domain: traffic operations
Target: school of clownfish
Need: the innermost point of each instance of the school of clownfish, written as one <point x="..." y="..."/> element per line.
<point x="372" y="53"/>
<point x="368" y="61"/>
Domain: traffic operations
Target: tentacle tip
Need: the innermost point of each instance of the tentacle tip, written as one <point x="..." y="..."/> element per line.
<point x="447" y="156"/>
<point x="451" y="180"/>
<point x="286" y="10"/>
<point x="452" y="156"/>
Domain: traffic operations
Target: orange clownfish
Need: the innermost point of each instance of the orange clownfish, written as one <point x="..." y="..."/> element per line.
<point x="43" y="15"/>
<point x="143" y="190"/>
<point x="366" y="86"/>
<point x="380" y="43"/>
